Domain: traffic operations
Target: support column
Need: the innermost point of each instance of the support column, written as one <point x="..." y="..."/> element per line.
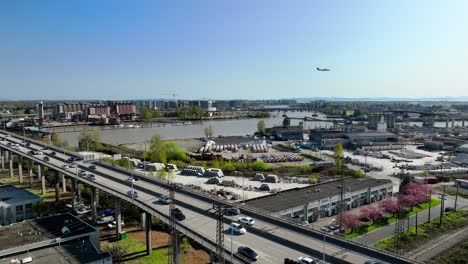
<point x="148" y="234"/>
<point x="2" y="157"/>
<point x="143" y="220"/>
<point x="73" y="192"/>
<point x="118" y="218"/>
<point x="78" y="191"/>
<point x="20" y="169"/>
<point x="64" y="182"/>
<point x="30" y="171"/>
<point x="93" y="203"/>
<point x="41" y="176"/>
<point x="10" y="158"/>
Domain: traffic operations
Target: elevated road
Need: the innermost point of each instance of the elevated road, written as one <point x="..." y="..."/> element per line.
<point x="273" y="238"/>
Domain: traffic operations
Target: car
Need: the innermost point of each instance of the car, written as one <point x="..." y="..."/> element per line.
<point x="53" y="153"/>
<point x="108" y="211"/>
<point x="82" y="172"/>
<point x="72" y="165"/>
<point x="237" y="228"/>
<point x="45" y="148"/>
<point x="246" y="220"/>
<point x="2" y="139"/>
<point x="6" y="135"/>
<point x="31" y="152"/>
<point x="28" y="144"/>
<point x="232" y="211"/>
<point x="92" y="166"/>
<point x="177" y="213"/>
<point x="448" y="209"/>
<point x="105" y="220"/>
<point x="46" y="158"/>
<point x="91" y="177"/>
<point x="165" y="199"/>
<point x="82" y="210"/>
<point x="305" y="260"/>
<point x="71" y="159"/>
<point x="373" y="262"/>
<point x="65" y="166"/>
<point x="37" y="152"/>
<point x="132" y="193"/>
<point x="130" y="179"/>
<point x="247" y="252"/>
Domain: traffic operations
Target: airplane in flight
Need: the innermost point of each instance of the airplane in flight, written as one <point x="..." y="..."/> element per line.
<point x="324" y="69"/>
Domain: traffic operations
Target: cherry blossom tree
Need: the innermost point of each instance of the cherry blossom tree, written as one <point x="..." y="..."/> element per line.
<point x="371" y="212"/>
<point x="390" y="206"/>
<point x="350" y="221"/>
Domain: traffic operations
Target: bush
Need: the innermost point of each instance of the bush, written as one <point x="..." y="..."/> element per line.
<point x="260" y="166"/>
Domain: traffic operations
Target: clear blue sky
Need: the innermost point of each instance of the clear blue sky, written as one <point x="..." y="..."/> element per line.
<point x="112" y="49"/>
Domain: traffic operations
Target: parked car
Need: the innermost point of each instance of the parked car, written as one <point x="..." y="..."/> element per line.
<point x="132" y="193"/>
<point x="165" y="199"/>
<point x="246" y="220"/>
<point x="305" y="260"/>
<point x="108" y="211"/>
<point x="46" y="158"/>
<point x="247" y="252"/>
<point x="92" y="166"/>
<point x="82" y="210"/>
<point x="105" y="220"/>
<point x="177" y="213"/>
<point x="231" y="211"/>
<point x="91" y="177"/>
<point x="237" y="228"/>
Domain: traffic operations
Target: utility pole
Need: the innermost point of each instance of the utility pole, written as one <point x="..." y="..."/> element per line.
<point x="342" y="209"/>
<point x="174" y="249"/>
<point x="430" y="201"/>
<point x="219" y="211"/>
<point x="442" y="199"/>
<point x="416" y="223"/>
<point x="456" y="198"/>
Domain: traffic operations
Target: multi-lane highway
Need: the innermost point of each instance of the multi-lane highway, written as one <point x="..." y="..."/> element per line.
<point x="273" y="242"/>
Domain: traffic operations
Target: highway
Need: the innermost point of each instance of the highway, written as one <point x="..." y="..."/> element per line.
<point x="272" y="242"/>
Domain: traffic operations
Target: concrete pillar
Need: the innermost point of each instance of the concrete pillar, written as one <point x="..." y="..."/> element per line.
<point x="64" y="183"/>
<point x="148" y="234"/>
<point x="463" y="123"/>
<point x="93" y="203"/>
<point x="453" y="122"/>
<point x="20" y="169"/>
<point x="446" y="123"/>
<point x="78" y="191"/>
<point x="118" y="218"/>
<point x="30" y="171"/>
<point x="10" y="159"/>
<point x="143" y="220"/>
<point x="41" y="176"/>
<point x="2" y="158"/>
<point x="73" y="192"/>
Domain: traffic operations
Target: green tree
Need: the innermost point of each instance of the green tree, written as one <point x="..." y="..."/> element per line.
<point x="431" y="121"/>
<point x="157" y="113"/>
<point x="40" y="209"/>
<point x="197" y="112"/>
<point x="261" y="126"/>
<point x="338" y="154"/>
<point x="89" y="140"/>
<point x="158" y="149"/>
<point x="162" y="174"/>
<point x="174" y="152"/>
<point x="145" y="113"/>
<point x="260" y="166"/>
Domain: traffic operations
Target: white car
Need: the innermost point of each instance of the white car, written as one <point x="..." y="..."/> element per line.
<point x="130" y="179"/>
<point x="237" y="228"/>
<point x="83" y="210"/>
<point x="164" y="199"/>
<point x="306" y="260"/>
<point x="105" y="220"/>
<point x="65" y="166"/>
<point x="72" y="165"/>
<point x="82" y="173"/>
<point x="132" y="193"/>
<point x="246" y="220"/>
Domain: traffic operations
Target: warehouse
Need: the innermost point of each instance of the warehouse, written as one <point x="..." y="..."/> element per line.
<point x="321" y="200"/>
<point x="16" y="204"/>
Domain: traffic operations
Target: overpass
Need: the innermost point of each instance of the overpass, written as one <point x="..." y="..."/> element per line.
<point x="273" y="238"/>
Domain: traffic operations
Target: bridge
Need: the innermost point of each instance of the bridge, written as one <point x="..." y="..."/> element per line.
<point x="273" y="238"/>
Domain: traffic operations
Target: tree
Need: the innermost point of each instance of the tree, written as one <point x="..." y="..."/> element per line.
<point x="145" y="113"/>
<point x="418" y="191"/>
<point x="261" y="126"/>
<point x="260" y="166"/>
<point x="431" y="121"/>
<point x="350" y="221"/>
<point x="162" y="174"/>
<point x="209" y="131"/>
<point x="57" y="141"/>
<point x="40" y="208"/>
<point x="89" y="140"/>
<point x="371" y="212"/>
<point x="390" y="206"/>
<point x="174" y="152"/>
<point x="338" y="154"/>
<point x="157" y="113"/>
<point x="158" y="149"/>
<point x="118" y="251"/>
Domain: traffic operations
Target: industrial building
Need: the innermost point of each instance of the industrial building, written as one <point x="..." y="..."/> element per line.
<point x="52" y="239"/>
<point x="286" y="133"/>
<point x="321" y="200"/>
<point x="16" y="204"/>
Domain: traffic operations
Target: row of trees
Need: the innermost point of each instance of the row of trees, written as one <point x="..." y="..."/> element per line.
<point x="414" y="194"/>
<point x="164" y="151"/>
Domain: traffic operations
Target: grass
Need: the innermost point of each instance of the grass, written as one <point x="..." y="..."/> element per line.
<point x="455" y="255"/>
<point x="368" y="227"/>
<point x="409" y="239"/>
<point x="452" y="190"/>
<point x="136" y="252"/>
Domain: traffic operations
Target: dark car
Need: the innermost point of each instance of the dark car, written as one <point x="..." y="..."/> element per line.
<point x="53" y="153"/>
<point x="247" y="252"/>
<point x="231" y="211"/>
<point x="31" y="152"/>
<point x="177" y="213"/>
<point x="27" y="144"/>
<point x="92" y="166"/>
<point x="46" y="158"/>
<point x="71" y="160"/>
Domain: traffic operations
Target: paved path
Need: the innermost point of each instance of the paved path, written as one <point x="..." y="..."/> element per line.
<point x="437" y="245"/>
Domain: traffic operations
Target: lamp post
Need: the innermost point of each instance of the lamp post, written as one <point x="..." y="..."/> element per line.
<point x="144" y="160"/>
<point x="232" y="254"/>
<point x="243" y="196"/>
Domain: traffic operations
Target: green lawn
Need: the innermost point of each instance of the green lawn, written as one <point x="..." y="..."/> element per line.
<point x="388" y="219"/>
<point x="452" y="190"/>
<point x="427" y="231"/>
<point x="136" y="252"/>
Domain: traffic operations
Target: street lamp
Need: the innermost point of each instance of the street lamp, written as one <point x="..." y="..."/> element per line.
<point x="243" y="187"/>
<point x="144" y="160"/>
<point x="231" y="237"/>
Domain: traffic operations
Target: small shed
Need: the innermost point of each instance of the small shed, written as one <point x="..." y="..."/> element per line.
<point x="272" y="178"/>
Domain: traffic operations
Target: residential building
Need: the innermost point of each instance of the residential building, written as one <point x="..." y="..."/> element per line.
<point x="16" y="204"/>
<point x="70" y="110"/>
<point x="322" y="200"/>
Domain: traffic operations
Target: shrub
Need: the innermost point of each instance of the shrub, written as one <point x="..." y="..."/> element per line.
<point x="260" y="166"/>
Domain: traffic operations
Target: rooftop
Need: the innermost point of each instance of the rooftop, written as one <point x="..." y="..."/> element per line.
<point x="300" y="196"/>
<point x="41" y="229"/>
<point x="76" y="251"/>
<point x="10" y="194"/>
